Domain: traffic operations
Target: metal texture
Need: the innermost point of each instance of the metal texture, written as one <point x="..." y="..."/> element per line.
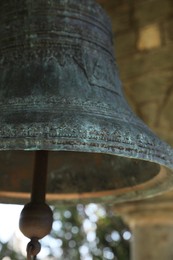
<point x="60" y="91"/>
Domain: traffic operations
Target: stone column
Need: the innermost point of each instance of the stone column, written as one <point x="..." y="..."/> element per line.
<point x="151" y="223"/>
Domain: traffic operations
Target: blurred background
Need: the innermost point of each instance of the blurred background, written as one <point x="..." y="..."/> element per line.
<point x="83" y="232"/>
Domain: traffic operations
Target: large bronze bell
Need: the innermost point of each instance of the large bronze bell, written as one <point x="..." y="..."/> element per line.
<point x="60" y="92"/>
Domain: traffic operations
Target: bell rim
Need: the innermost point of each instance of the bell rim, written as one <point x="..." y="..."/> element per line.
<point x="133" y="193"/>
<point x="161" y="154"/>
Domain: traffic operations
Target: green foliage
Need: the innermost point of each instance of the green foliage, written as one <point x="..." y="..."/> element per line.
<point x="7" y="250"/>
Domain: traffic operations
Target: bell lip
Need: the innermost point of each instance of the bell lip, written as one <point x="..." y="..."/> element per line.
<point x="160" y="152"/>
<point x="148" y="189"/>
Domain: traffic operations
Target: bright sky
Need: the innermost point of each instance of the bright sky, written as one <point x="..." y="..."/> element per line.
<point x="9" y="225"/>
<point x="9" y="219"/>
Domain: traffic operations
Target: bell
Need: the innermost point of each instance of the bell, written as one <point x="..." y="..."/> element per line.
<point x="60" y="92"/>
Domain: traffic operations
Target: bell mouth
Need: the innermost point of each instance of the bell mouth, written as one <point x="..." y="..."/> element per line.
<point x="80" y="176"/>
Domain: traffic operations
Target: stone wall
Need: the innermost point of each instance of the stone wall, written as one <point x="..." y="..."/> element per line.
<point x="143" y="31"/>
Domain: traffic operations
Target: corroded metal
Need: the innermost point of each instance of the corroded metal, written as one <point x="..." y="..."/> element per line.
<point x="60" y="91"/>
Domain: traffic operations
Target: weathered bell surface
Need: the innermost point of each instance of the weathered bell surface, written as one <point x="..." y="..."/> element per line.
<point x="60" y="91"/>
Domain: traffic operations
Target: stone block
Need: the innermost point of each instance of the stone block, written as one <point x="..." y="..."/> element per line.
<point x="149" y="37"/>
<point x="147" y="12"/>
<point x="168" y="30"/>
<point x="125" y="43"/>
<point x="166" y="115"/>
<point x="120" y="16"/>
<point x="151" y="98"/>
<point x="151" y="87"/>
<point x="145" y="62"/>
